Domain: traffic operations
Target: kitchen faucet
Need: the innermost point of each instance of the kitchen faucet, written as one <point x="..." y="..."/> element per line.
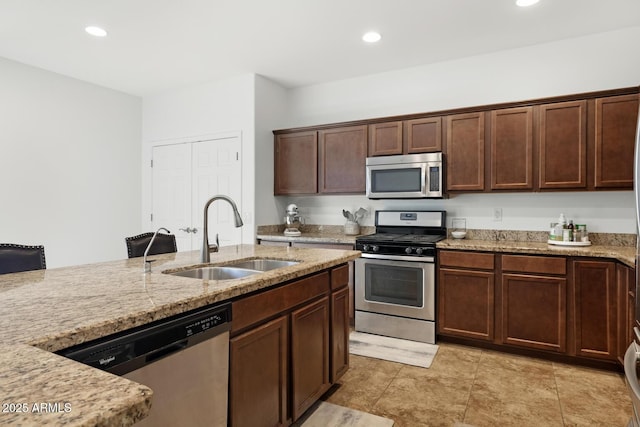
<point x="147" y="265"/>
<point x="206" y="249"/>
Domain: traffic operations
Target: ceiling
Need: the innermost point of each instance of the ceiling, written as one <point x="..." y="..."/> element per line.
<point x="159" y="45"/>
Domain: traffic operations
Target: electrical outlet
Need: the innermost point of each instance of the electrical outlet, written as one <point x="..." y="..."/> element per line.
<point x="497" y="214"/>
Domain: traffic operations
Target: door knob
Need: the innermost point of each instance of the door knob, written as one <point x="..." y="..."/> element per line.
<point x="189" y="230"/>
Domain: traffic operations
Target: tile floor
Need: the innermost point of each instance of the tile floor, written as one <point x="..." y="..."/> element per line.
<point x="466" y="386"/>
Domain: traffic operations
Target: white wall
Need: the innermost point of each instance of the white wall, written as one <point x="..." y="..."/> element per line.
<point x="271" y="105"/>
<point x="212" y="108"/>
<point x="597" y="62"/>
<point x="69" y="165"/>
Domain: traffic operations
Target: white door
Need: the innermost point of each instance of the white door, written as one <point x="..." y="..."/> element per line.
<point x="216" y="171"/>
<point x="185" y="176"/>
<point x="171" y="191"/>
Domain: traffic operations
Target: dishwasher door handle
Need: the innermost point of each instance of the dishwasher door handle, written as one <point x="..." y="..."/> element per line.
<point x="180" y="345"/>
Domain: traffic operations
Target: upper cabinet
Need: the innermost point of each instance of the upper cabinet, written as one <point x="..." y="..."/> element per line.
<point x="465" y="152"/>
<point x="296" y="163"/>
<point x="423" y="135"/>
<point x="342" y="154"/>
<point x="385" y="139"/>
<point x="615" y="130"/>
<point x="511" y="155"/>
<point x="414" y="136"/>
<point x="562" y="130"/>
<point x="581" y="142"/>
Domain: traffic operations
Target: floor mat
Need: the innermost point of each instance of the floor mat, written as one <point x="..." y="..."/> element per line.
<point x="392" y="349"/>
<point x="325" y="414"/>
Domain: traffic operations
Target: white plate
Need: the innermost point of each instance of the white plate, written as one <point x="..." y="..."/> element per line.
<point x="561" y="243"/>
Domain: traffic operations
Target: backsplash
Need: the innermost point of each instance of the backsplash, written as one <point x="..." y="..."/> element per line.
<point x="603" y="239"/>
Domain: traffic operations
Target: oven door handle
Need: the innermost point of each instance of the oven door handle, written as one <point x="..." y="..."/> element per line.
<point x="399" y="257"/>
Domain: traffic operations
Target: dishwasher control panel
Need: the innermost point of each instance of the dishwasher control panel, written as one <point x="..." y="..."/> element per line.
<point x="128" y="350"/>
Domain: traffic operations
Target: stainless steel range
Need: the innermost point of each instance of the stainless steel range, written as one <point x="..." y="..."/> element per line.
<point x="395" y="278"/>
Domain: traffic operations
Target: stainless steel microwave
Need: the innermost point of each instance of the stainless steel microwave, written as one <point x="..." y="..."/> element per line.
<point x="411" y="176"/>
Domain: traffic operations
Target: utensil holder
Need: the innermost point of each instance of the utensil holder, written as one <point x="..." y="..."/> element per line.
<point x="351" y="228"/>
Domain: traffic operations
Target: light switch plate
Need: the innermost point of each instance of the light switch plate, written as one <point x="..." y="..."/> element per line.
<point x="497" y="214"/>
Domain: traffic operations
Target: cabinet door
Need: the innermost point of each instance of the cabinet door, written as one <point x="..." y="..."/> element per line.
<point x="465" y="152"/>
<point x="423" y="135"/>
<point x="625" y="286"/>
<point x="534" y="311"/>
<point x="512" y="149"/>
<point x="309" y="355"/>
<point x="343" y="153"/>
<point x="385" y="139"/>
<point x="616" y="120"/>
<point x="563" y="145"/>
<point x="466" y="303"/>
<point x="296" y="163"/>
<point x="339" y="333"/>
<point x="258" y="376"/>
<point x="595" y="306"/>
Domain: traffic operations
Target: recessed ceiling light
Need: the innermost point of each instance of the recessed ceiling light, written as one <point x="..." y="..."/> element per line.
<point x="96" y="31"/>
<point x="371" y="37"/>
<point x="525" y="3"/>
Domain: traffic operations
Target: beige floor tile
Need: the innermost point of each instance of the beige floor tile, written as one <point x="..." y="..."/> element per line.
<point x="466" y="386"/>
<point x="513" y="391"/>
<point x="363" y="384"/>
<point x="591" y="397"/>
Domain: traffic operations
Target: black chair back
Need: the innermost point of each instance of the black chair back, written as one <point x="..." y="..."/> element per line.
<point x="163" y="244"/>
<point x="15" y="258"/>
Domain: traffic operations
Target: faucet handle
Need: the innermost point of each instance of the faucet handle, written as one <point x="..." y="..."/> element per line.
<point x="217" y="241"/>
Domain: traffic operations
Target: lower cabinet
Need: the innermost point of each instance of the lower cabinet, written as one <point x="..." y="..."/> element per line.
<point x="309" y="355"/>
<point x="534" y="301"/>
<point x="595" y="307"/>
<point x="575" y="306"/>
<point x="258" y="376"/>
<point x="288" y="345"/>
<point x="466" y="295"/>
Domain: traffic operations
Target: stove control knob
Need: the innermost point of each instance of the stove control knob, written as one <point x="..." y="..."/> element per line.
<point x="375" y="248"/>
<point x="365" y="248"/>
<point x="408" y="250"/>
<point x="419" y="251"/>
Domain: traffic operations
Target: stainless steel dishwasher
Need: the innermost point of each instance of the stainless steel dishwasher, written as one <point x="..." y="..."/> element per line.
<point x="183" y="359"/>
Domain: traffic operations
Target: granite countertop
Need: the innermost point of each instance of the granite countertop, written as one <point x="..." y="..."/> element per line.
<point x="624" y="254"/>
<point x="327" y="234"/>
<point x="49" y="310"/>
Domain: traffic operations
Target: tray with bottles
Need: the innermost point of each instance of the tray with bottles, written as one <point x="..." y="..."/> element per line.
<point x="563" y="243"/>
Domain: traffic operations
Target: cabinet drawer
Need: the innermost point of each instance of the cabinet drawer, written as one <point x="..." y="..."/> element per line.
<point x="534" y="264"/>
<point x="465" y="259"/>
<point x="253" y="309"/>
<point x="339" y="277"/>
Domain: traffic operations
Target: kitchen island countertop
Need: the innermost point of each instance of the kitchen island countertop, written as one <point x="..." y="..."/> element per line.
<point x="50" y="310"/>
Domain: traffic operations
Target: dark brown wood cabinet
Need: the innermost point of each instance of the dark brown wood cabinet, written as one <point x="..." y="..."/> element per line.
<point x="534" y="301"/>
<point x="562" y="144"/>
<point x="309" y="355"/>
<point x="340" y="320"/>
<point x="385" y="139"/>
<point x="466" y="294"/>
<point x="511" y="156"/>
<point x="342" y="153"/>
<point x="615" y="129"/>
<point x="258" y="376"/>
<point x="422" y="135"/>
<point x="465" y="140"/>
<point x="296" y="163"/>
<point x="288" y="344"/>
<point x="626" y="298"/>
<point x="595" y="308"/>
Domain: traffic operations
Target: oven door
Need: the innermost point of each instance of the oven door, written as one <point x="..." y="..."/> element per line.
<point x="398" y="288"/>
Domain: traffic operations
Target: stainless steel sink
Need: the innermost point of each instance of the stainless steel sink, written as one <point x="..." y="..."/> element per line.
<point x="263" y="264"/>
<point x="215" y="273"/>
